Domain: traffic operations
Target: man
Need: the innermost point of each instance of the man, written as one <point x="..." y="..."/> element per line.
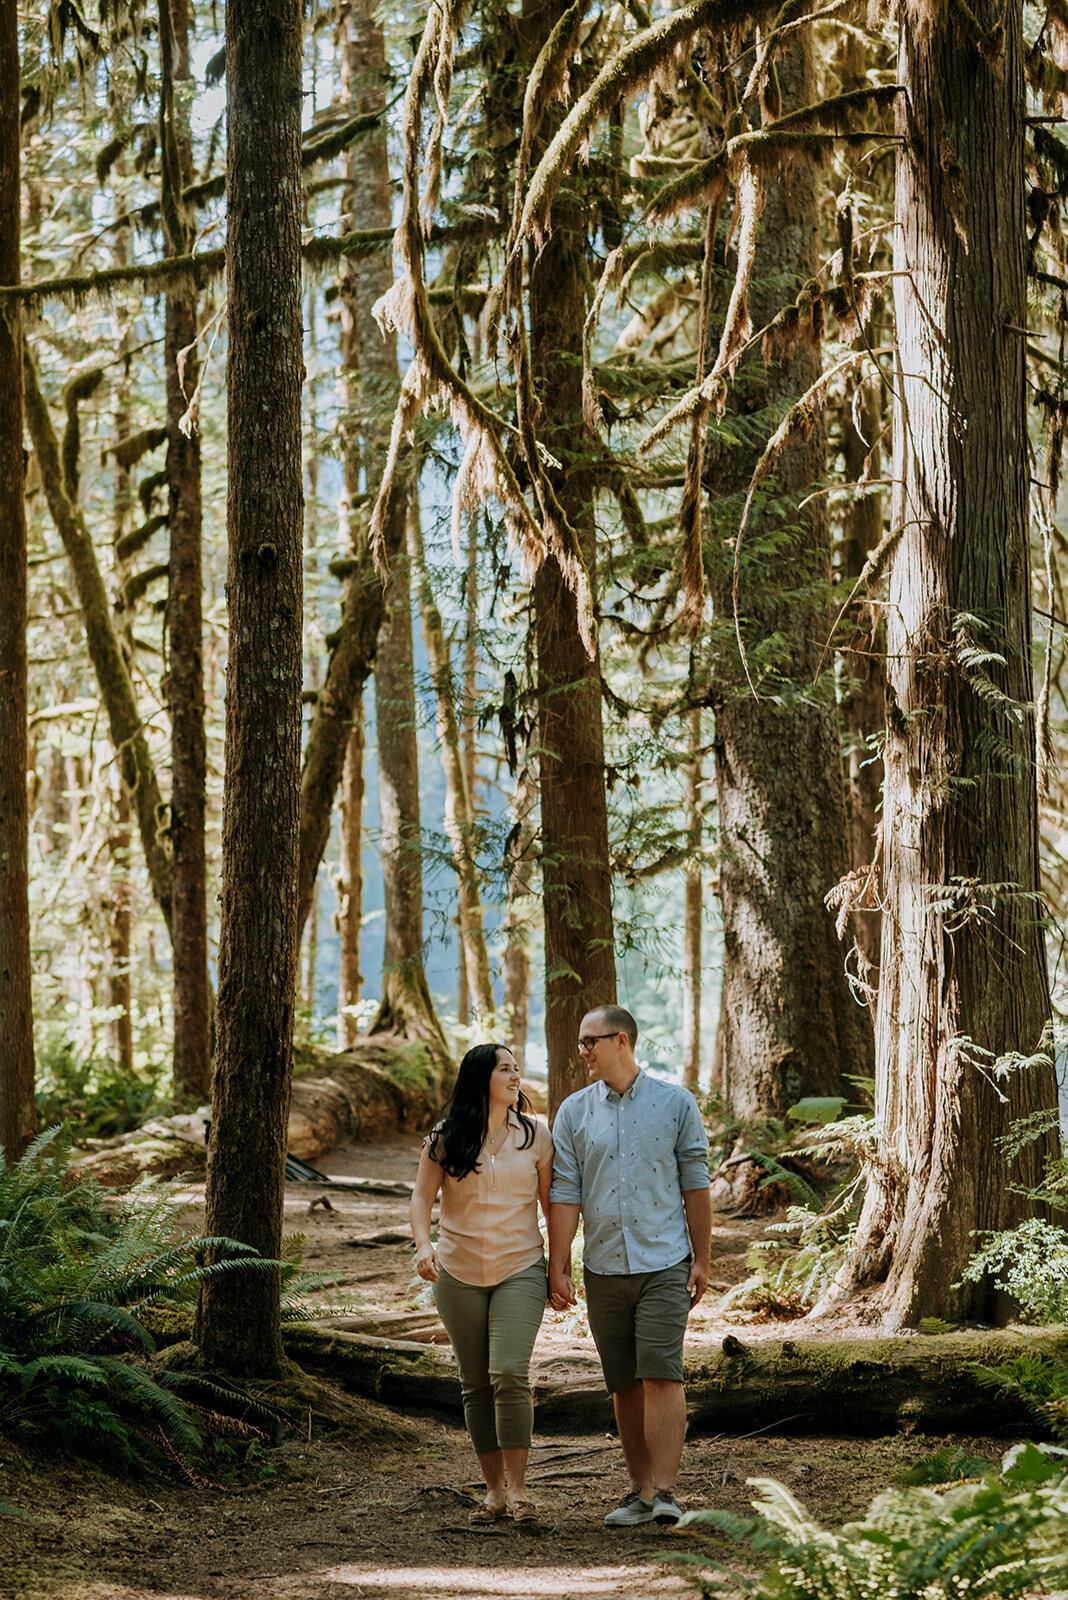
<point x="631" y="1156"/>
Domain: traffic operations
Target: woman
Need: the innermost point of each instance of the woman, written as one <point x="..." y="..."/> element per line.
<point x="492" y="1162"/>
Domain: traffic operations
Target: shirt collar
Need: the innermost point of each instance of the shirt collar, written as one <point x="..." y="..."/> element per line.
<point x="628" y="1094"/>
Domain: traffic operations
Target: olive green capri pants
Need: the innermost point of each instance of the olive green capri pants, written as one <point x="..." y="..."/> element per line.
<point x="492" y="1332"/>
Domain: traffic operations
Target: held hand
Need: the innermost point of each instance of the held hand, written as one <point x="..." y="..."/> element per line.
<point x="561" y="1290"/>
<point x="697" y="1283"/>
<point x="426" y="1263"/>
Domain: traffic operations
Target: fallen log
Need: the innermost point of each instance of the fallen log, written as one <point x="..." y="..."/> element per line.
<point x="861" y="1386"/>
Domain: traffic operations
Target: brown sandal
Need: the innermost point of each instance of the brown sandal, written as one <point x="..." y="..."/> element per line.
<point x="486" y="1514"/>
<point x="524" y="1511"/>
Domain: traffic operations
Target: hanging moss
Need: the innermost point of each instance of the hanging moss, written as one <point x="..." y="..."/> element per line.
<point x="78" y="389"/>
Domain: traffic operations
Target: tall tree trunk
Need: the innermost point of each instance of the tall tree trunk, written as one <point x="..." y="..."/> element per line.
<point x="520" y="856"/>
<point x="120" y="927"/>
<point x="185" y="679"/>
<point x="864" y="704"/>
<point x="459" y="817"/>
<point x="117" y="900"/>
<point x="105" y="648"/>
<point x="17" y="1108"/>
<point x="406" y="1006"/>
<point x="238" y="1323"/>
<point x="580" y="969"/>
<point x="468" y="719"/>
<point x="790" y="1024"/>
<point x="311" y="632"/>
<point x="963" y="966"/>
<point x="357" y="92"/>
<point x="350" y="882"/>
<point x="691" y="954"/>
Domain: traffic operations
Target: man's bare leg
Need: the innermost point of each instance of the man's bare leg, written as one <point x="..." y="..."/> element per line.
<point x="630" y="1420"/>
<point x="663" y="1431"/>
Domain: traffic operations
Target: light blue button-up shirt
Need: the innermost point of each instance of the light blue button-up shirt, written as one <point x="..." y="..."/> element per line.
<point x="627" y="1159"/>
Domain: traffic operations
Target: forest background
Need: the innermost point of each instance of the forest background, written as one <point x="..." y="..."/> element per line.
<point x="707" y="421"/>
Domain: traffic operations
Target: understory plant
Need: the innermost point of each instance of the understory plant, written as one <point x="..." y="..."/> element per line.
<point x="797" y="1261"/>
<point x="1004" y="1536"/>
<point x="79" y="1271"/>
<point x="1030" y="1261"/>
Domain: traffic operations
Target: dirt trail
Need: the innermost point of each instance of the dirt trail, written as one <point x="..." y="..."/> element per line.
<point x="380" y="1509"/>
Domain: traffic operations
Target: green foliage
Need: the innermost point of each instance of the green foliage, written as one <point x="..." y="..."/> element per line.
<point x="1030" y="1262"/>
<point x="98" y="1097"/>
<point x="944" y="1466"/>
<point x="76" y="1275"/>
<point x="1039" y="1382"/>
<point x="994" y="1538"/>
<point x="789" y="1271"/>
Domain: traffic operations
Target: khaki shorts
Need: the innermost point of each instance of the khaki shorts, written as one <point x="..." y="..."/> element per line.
<point x="638" y="1321"/>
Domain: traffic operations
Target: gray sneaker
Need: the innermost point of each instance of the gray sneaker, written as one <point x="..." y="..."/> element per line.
<point x="665" y="1509"/>
<point x="631" y="1511"/>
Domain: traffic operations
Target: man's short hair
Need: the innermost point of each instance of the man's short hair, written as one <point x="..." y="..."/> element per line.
<point x="616" y="1020"/>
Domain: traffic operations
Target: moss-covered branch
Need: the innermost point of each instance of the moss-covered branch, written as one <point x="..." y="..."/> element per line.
<point x="105" y="650"/>
<point x="198" y="270"/>
<point x="622" y="76"/>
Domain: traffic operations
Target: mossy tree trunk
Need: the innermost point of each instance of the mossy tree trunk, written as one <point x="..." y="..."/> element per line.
<point x="691" y="952"/>
<point x="185" y="677"/>
<point x="580" y="969"/>
<point x="518" y="917"/>
<point x="406" y="1006"/>
<point x="125" y="723"/>
<point x="361" y="48"/>
<point x="790" y="1024"/>
<point x="238" y="1326"/>
<point x="459" y="815"/>
<point x="350" y="880"/>
<point x="17" y="1109"/>
<point x="864" y="703"/>
<point x="963" y="964"/>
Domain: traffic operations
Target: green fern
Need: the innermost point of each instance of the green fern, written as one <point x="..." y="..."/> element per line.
<point x="75" y="1282"/>
<point x="945" y="1466"/>
<point x="971" y="1540"/>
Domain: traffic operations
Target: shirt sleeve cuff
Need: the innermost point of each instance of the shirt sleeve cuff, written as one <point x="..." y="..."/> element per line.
<point x="566" y="1194"/>
<point x="693" y="1175"/>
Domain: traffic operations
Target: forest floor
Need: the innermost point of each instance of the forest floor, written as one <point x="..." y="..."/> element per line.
<point x="378" y="1508"/>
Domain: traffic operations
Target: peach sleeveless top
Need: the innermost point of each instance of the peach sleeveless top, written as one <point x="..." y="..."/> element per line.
<point x="488" y="1228"/>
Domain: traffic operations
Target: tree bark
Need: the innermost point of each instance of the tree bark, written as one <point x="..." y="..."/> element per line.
<point x="963" y="965"/>
<point x="238" y="1324"/>
<point x="370" y="397"/>
<point x="406" y="1007"/>
<point x="790" y="1024"/>
<point x="459" y="817"/>
<point x="185" y="679"/>
<point x="580" y="969"/>
<point x="350" y="882"/>
<point x="468" y="719"/>
<point x="858" y="1386"/>
<point x="17" y="1107"/>
<point x="521" y="857"/>
<point x="864" y="703"/>
<point x="691" y="956"/>
<point x="105" y="648"/>
<point x="120" y="927"/>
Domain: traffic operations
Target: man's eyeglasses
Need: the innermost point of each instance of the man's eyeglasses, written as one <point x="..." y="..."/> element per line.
<point x="590" y="1041"/>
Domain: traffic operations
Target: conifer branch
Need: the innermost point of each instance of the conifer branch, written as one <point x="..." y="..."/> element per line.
<point x="627" y="72"/>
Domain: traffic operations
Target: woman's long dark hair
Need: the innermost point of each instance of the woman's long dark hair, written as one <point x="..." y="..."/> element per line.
<point x="456" y="1143"/>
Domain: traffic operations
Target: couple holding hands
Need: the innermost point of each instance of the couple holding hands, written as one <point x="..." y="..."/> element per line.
<point x="629" y="1154"/>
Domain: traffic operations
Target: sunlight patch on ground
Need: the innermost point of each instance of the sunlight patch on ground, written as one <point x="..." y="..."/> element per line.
<point x="487" y="1583"/>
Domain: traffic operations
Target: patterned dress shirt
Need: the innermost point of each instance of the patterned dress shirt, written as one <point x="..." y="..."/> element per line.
<point x="627" y="1159"/>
